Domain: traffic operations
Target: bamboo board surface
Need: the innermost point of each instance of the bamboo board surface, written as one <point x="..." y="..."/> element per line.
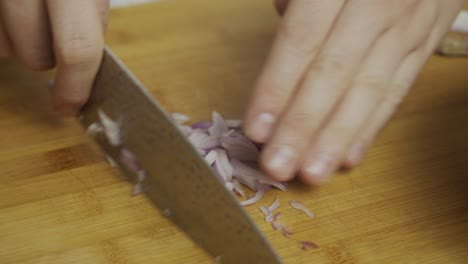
<point x="60" y="202"/>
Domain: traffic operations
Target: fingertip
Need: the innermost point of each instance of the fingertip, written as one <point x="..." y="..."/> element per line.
<point x="279" y="163"/>
<point x="319" y="169"/>
<point x="260" y="126"/>
<point x="350" y="162"/>
<point x="67" y="105"/>
<point x="354" y="155"/>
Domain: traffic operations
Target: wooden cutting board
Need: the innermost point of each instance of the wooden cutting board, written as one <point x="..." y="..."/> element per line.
<point x="60" y="202"/>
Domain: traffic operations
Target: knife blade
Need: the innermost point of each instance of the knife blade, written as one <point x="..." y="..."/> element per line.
<point x="178" y="181"/>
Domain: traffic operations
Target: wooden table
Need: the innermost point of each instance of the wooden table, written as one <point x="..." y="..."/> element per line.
<point x="60" y="202"/>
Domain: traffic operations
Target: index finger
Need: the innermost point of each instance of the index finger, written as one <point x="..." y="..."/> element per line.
<point x="78" y="47"/>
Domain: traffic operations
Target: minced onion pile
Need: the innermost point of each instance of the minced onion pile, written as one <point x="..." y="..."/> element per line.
<point x="231" y="155"/>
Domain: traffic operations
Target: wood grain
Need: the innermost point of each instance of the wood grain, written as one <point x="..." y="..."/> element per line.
<point x="61" y="203"/>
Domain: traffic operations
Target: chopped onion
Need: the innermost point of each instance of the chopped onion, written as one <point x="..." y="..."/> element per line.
<point x="286" y="232"/>
<point x="308" y="244"/>
<point x="94" y="129"/>
<point x="239" y="147"/>
<point x="264" y="210"/>
<point x="129" y="160"/>
<point x="252" y="177"/>
<point x="204" y="125"/>
<point x="231" y="154"/>
<point x="269" y="218"/>
<point x="233" y="123"/>
<point x="219" y="127"/>
<point x="137" y="189"/>
<point x="276" y="216"/>
<point x="111" y="161"/>
<point x="202" y="141"/>
<point x="300" y="206"/>
<point x="141" y="175"/>
<point x="180" y="118"/>
<point x="222" y="165"/>
<point x="275" y="205"/>
<point x="186" y="130"/>
<point x="238" y="188"/>
<point x="211" y="157"/>
<point x="111" y="128"/>
<point x="277" y="225"/>
<point x="229" y="186"/>
<point x="254" y="198"/>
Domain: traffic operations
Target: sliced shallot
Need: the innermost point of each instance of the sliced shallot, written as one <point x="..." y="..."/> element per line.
<point x="300" y="206"/>
<point x="307" y="245"/>
<point x="254" y="198"/>
<point x="211" y="157"/>
<point x="264" y="210"/>
<point x="111" y="128"/>
<point x="180" y="118"/>
<point x="129" y="160"/>
<point x="275" y="205"/>
<point x="233" y="123"/>
<point x="222" y="165"/>
<point x="238" y="188"/>
<point x="201" y="140"/>
<point x="94" y="129"/>
<point x="219" y="126"/>
<point x="111" y="161"/>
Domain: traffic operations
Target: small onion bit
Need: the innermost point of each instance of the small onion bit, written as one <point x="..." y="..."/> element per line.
<point x="300" y="206"/>
<point x="180" y="118"/>
<point x="219" y="126"/>
<point x="264" y="210"/>
<point x="286" y="232"/>
<point x="238" y="188"/>
<point x="305" y="245"/>
<point x="277" y="225"/>
<point x="233" y="123"/>
<point x="201" y="140"/>
<point x="254" y="198"/>
<point x="111" y="128"/>
<point x="129" y="161"/>
<point x="111" y="161"/>
<point x="94" y="129"/>
<point x="275" y="205"/>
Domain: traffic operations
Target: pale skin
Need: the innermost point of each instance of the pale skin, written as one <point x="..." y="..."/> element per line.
<point x="336" y="72"/>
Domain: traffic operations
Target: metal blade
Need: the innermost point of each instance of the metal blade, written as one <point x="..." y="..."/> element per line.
<point x="178" y="179"/>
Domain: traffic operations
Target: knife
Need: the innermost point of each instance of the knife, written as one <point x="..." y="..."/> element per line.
<point x="178" y="181"/>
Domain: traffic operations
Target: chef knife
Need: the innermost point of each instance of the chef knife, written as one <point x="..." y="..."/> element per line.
<point x="178" y="181"/>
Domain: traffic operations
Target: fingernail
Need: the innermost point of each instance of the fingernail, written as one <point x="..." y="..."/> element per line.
<point x="355" y="155"/>
<point x="261" y="127"/>
<point x="281" y="161"/>
<point x="320" y="169"/>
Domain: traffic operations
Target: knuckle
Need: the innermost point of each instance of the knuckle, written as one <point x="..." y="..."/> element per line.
<point x="329" y="64"/>
<point x="299" y="37"/>
<point x="78" y="50"/>
<point x="302" y="123"/>
<point x="372" y="85"/>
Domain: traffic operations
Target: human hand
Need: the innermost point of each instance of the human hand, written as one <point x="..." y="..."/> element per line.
<point x="334" y="76"/>
<point x="68" y="34"/>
